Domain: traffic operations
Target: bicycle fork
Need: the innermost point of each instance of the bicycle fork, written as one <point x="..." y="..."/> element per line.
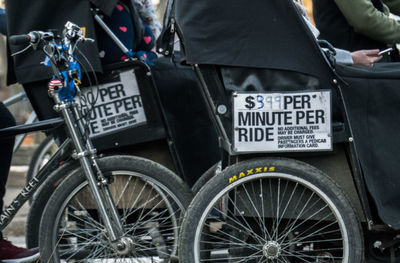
<point x="98" y="184"/>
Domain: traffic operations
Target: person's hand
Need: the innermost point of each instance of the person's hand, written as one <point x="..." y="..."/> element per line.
<point x="366" y="57"/>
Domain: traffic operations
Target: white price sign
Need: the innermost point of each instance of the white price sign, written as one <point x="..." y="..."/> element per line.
<point x="285" y="121"/>
<point x="118" y="105"/>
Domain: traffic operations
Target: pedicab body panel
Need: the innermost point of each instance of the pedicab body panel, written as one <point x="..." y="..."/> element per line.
<point x="266" y="46"/>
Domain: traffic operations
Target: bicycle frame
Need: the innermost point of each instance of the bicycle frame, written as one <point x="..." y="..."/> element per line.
<point x="67" y="76"/>
<point x="74" y="146"/>
<point x="31" y="126"/>
<point x="31" y="119"/>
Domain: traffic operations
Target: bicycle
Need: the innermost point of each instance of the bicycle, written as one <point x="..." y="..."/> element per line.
<point x="152" y="139"/>
<point x="127" y="207"/>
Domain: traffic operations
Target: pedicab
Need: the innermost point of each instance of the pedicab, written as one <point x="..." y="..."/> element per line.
<point x="309" y="146"/>
<point x="134" y="110"/>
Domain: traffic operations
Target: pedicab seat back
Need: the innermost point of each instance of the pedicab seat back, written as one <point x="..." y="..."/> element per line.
<point x="258" y="34"/>
<point x="372" y="97"/>
<point x="258" y="46"/>
<point x="226" y="37"/>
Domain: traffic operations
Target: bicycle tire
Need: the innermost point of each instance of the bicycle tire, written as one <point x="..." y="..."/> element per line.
<point x="40" y="198"/>
<point x="204" y="178"/>
<point x="271" y="210"/>
<point x="71" y="211"/>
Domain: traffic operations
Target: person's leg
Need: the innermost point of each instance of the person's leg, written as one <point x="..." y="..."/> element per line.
<point x="8" y="252"/>
<point x="6" y="150"/>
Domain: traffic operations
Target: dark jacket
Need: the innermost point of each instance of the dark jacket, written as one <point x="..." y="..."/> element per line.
<point x="334" y="27"/>
<point x="24" y="16"/>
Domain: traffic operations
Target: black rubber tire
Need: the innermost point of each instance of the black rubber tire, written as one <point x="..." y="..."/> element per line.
<point x="210" y="173"/>
<point x="234" y="179"/>
<point x="154" y="174"/>
<point x="40" y="198"/>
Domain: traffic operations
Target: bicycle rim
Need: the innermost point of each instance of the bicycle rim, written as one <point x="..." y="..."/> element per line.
<point x="274" y="218"/>
<point x="150" y="215"/>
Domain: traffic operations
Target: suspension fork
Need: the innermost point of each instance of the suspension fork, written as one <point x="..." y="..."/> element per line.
<point x="98" y="184"/>
<point x="112" y="208"/>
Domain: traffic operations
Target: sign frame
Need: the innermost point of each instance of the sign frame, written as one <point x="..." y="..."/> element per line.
<point x="234" y="148"/>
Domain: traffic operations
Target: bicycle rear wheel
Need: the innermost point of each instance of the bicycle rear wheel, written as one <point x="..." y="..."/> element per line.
<point x="150" y="199"/>
<point x="271" y="210"/>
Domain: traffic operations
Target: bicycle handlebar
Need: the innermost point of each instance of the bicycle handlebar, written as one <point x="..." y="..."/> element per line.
<point x="19" y="39"/>
<point x="59" y="54"/>
<point x="33" y="37"/>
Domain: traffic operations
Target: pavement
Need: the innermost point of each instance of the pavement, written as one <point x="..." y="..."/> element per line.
<point x="17" y="226"/>
<point x="15" y="231"/>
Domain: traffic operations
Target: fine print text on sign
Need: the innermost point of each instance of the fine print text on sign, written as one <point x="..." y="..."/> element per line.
<point x="272" y="122"/>
<point x="118" y="105"/>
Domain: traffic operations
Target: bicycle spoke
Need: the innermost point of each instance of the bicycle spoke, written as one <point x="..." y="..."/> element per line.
<point x="83" y="231"/>
<point x="242" y="259"/>
<point x="229" y="242"/>
<point x="261" y="220"/>
<point x="247" y="227"/>
<point x="123" y="191"/>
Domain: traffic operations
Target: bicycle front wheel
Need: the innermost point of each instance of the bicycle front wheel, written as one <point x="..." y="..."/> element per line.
<point x="150" y="199"/>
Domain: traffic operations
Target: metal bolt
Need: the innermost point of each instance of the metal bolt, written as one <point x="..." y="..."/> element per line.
<point x="234" y="94"/>
<point x="222" y="109"/>
<point x="351" y="139"/>
<point x="120" y="246"/>
<point x="57" y="108"/>
<point x="377" y="244"/>
<point x="148" y="74"/>
<point x="335" y="81"/>
<point x="370" y="224"/>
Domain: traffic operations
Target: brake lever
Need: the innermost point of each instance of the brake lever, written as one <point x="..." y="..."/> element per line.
<point x="22" y="50"/>
<point x="91" y="40"/>
<point x="50" y="53"/>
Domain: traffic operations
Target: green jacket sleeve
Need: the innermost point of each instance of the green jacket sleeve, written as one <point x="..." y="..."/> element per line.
<point x="367" y="20"/>
<point x="394" y="6"/>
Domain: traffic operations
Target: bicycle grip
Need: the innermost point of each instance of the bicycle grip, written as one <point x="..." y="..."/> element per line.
<point x="19" y="39"/>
